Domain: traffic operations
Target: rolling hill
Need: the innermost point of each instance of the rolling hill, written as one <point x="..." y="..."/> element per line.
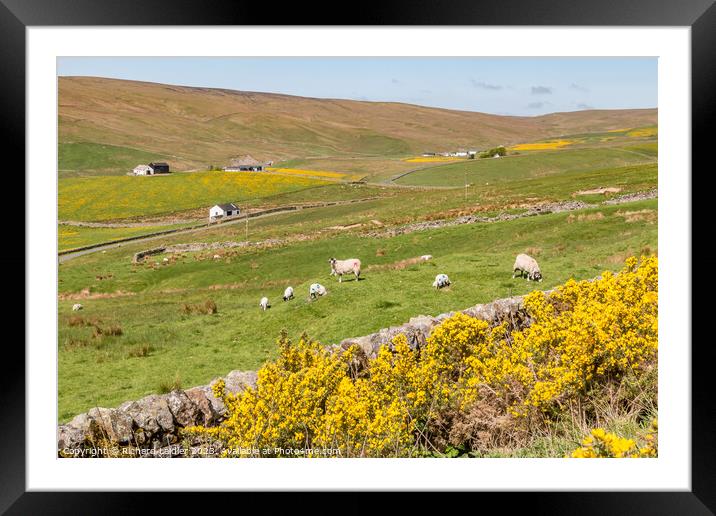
<point x="106" y="125"/>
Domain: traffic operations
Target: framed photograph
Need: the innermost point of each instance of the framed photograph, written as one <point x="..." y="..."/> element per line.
<point x="367" y="250"/>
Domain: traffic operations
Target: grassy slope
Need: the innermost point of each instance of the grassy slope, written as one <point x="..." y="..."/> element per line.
<point x="202" y="126"/>
<point x="524" y="166"/>
<point x="101" y="159"/>
<point x="197" y="347"/>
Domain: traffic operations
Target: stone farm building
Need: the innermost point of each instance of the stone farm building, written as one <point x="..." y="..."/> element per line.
<point x="245" y="164"/>
<point x="151" y="169"/>
<point x="221" y="211"/>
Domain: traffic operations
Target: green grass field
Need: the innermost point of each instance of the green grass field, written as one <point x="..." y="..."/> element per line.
<point x="118" y="197"/>
<point x="159" y="342"/>
<point x="531" y="165"/>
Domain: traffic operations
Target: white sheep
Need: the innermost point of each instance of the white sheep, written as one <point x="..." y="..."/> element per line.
<point x="316" y="289"/>
<point x="288" y="293"/>
<point x="426" y="257"/>
<point x="526" y="265"/>
<point x="441" y="280"/>
<point x="77" y="307"/>
<point x="264" y="303"/>
<point x="341" y="267"/>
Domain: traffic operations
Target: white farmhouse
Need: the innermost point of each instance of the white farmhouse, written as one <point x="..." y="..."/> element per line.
<point x="158" y="167"/>
<point x="220" y="211"/>
<point x="142" y="170"/>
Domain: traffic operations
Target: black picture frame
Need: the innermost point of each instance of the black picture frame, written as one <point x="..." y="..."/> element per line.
<point x="699" y="15"/>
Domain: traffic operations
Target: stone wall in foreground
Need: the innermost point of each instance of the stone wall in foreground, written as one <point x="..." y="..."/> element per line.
<point x="153" y="422"/>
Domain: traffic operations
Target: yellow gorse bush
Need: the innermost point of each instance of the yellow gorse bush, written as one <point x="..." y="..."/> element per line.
<point x="583" y="334"/>
<point x="600" y="444"/>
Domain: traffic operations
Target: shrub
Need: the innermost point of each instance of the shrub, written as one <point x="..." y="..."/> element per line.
<point x="500" y="151"/>
<point x="472" y="385"/>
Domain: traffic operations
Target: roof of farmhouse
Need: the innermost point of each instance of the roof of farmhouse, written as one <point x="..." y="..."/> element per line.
<point x="244" y="161"/>
<point x="227" y="207"/>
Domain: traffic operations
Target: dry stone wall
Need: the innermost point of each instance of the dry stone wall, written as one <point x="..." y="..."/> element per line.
<point x="153" y="423"/>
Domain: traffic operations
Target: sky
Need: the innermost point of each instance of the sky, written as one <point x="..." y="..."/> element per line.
<point x="504" y="86"/>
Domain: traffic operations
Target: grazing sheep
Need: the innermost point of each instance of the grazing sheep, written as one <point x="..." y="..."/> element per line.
<point x="426" y="257"/>
<point x="77" y="307"/>
<point x="441" y="280"/>
<point x="341" y="267"/>
<point x="216" y="257"/>
<point x="264" y="304"/>
<point x="527" y="265"/>
<point x="288" y="293"/>
<point x="316" y="289"/>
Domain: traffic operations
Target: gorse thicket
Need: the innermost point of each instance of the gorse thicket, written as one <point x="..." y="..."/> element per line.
<point x="472" y="387"/>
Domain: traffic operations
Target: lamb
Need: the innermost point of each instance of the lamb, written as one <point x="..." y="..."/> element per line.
<point x="315" y="290"/>
<point x="341" y="267"/>
<point x="76" y="307"/>
<point x="288" y="293"/>
<point x="426" y="257"/>
<point x="526" y="265"/>
<point x="441" y="280"/>
<point x="264" y="303"/>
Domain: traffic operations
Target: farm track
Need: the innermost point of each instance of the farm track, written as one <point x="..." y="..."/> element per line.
<point x="86" y="224"/>
<point x="64" y="256"/>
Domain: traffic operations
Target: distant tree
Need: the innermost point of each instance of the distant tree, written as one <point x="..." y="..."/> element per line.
<point x="500" y="151"/>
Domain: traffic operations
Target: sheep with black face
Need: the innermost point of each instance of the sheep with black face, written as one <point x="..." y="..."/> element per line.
<point x="527" y="266"/>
